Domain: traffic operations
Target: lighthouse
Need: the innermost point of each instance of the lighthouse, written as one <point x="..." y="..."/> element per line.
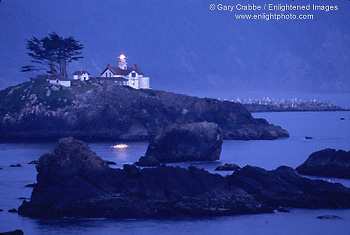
<point x="124" y="75"/>
<point x="122" y="62"/>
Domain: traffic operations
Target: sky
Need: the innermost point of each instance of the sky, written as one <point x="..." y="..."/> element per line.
<point x="185" y="47"/>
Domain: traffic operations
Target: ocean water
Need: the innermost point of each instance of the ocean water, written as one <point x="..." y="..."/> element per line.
<point x="326" y="128"/>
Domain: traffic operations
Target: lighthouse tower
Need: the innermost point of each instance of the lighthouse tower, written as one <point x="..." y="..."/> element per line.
<point x="122" y="62"/>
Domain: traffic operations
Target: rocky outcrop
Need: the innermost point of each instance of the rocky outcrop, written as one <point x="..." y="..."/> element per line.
<point x="181" y="143"/>
<point x="285" y="187"/>
<point x="329" y="217"/>
<point x="110" y="162"/>
<point x="228" y="167"/>
<point x="327" y="163"/>
<point x="148" y="161"/>
<point x="16" y="165"/>
<point x="111" y="112"/>
<point x="15" y="232"/>
<point x="73" y="181"/>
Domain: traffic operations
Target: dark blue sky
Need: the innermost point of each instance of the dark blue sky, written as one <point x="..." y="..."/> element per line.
<point x="183" y="46"/>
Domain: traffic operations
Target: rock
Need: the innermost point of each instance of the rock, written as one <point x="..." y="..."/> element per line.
<point x="55" y="88"/>
<point x="110" y="162"/>
<point x="1" y="210"/>
<point x="15" y="232"/>
<point x="327" y="163"/>
<point x="308" y="137"/>
<point x="284" y="187"/>
<point x="329" y="217"/>
<point x="33" y="162"/>
<point x="282" y="210"/>
<point x="132" y="170"/>
<point x="30" y="185"/>
<point x="342" y="119"/>
<point x="148" y="161"/>
<point x="119" y="113"/>
<point x="15" y="165"/>
<point x="228" y="167"/>
<point x="181" y="143"/>
<point x="13" y="210"/>
<point x="74" y="182"/>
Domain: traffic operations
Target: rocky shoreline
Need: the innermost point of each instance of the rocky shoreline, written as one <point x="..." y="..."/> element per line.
<point x="73" y="182"/>
<point x="37" y="110"/>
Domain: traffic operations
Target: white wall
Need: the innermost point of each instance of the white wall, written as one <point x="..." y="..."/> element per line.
<point x="144" y="83"/>
<point x="84" y="77"/>
<point x="63" y="83"/>
<point x="134" y="83"/>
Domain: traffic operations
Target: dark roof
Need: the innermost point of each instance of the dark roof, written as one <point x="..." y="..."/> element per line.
<point x="119" y="71"/>
<point x="109" y="78"/>
<point x="80" y="72"/>
<point x="52" y="77"/>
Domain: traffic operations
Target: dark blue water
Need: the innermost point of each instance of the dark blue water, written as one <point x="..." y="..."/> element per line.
<point x="326" y="128"/>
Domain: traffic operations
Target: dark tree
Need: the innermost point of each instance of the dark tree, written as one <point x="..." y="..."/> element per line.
<point x="53" y="54"/>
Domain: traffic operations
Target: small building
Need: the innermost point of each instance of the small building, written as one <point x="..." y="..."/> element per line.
<point x="55" y="79"/>
<point x="81" y="75"/>
<point x="124" y="75"/>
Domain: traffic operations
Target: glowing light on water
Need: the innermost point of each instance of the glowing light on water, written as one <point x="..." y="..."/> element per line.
<point x="120" y="146"/>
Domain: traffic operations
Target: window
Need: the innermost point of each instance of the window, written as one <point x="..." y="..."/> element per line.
<point x="133" y="75"/>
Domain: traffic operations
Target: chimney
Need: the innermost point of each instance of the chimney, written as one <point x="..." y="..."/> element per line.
<point x="109" y="66"/>
<point x="135" y="66"/>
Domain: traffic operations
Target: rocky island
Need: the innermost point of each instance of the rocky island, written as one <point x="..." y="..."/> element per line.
<point x="73" y="182"/>
<point x="327" y="163"/>
<point x="37" y="110"/>
<point x="181" y="143"/>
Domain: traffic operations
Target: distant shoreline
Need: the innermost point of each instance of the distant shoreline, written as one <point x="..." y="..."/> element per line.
<point x="267" y="104"/>
<point x="270" y="109"/>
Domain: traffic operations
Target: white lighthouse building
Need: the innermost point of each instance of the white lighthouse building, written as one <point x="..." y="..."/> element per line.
<point x="124" y="75"/>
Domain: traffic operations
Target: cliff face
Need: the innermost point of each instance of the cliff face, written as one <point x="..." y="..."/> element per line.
<point x="100" y="111"/>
